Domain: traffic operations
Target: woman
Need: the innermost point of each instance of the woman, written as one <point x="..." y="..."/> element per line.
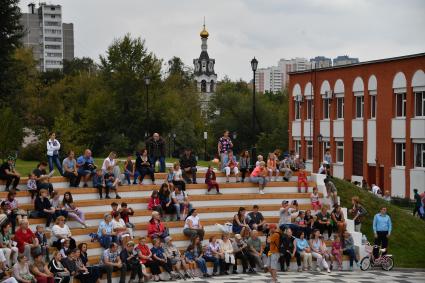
<point x="105" y="233"/>
<point x="111" y="161"/>
<point x="196" y="253"/>
<point x="348" y="249"/>
<point x="159" y="257"/>
<point x="214" y="254"/>
<point x="156" y="228"/>
<point x="10" y="251"/>
<point x="317" y="252"/>
<point x="173" y="255"/>
<point x="119" y="227"/>
<point x="358" y="212"/>
<point x="73" y="212"/>
<point x="239" y="223"/>
<point x="338" y="220"/>
<point x="303" y="249"/>
<point x="21" y="270"/>
<point x="53" y="147"/>
<point x="166" y="201"/>
<point x="62" y="232"/>
<point x="143" y="166"/>
<point x="57" y="205"/>
<point x="61" y="274"/>
<point x="259" y="175"/>
<point x="155" y="202"/>
<point x="227" y="249"/>
<point x="145" y="256"/>
<point x="69" y="166"/>
<point x="41" y="270"/>
<point x="309" y="220"/>
<point x="192" y="225"/>
<point x="94" y="270"/>
<point x="178" y="177"/>
<point x="11" y="207"/>
<point x="77" y="269"/>
<point x="244" y="164"/>
<point x="26" y="240"/>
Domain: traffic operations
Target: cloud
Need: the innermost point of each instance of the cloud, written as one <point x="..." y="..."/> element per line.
<point x="240" y="30"/>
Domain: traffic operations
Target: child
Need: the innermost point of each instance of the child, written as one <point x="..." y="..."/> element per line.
<point x="99" y="183"/>
<point x="114" y="207"/>
<point x="65" y="247"/>
<point x="178" y="177"/>
<point x="324" y="252"/>
<point x="259" y="159"/>
<point x="337" y="251"/>
<point x="302" y="180"/>
<point x="42" y="240"/>
<point x="272" y="166"/>
<point x="315" y="201"/>
<point x="189" y="257"/>
<point x="210" y="180"/>
<point x="111" y="183"/>
<point x="125" y="213"/>
<point x="155" y="202"/>
<point x="32" y="186"/>
<point x="130" y="170"/>
<point x="170" y="175"/>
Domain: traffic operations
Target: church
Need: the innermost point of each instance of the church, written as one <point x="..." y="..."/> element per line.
<point x="205" y="77"/>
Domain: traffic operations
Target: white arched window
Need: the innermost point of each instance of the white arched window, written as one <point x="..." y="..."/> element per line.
<point x="339" y="95"/>
<point x="296" y="94"/>
<point x="326" y="93"/>
<point x="358" y="92"/>
<point x="399" y="89"/>
<point x="372" y="89"/>
<point x="308" y="94"/>
<point x="418" y="84"/>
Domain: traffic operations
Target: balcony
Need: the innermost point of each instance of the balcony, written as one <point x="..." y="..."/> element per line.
<point x="398" y="128"/>
<point x="308" y="124"/>
<point x="371" y="141"/>
<point x="296" y="128"/>
<point x="338" y="128"/>
<point x="357" y="128"/>
<point x="417" y="180"/>
<point x="417" y="128"/>
<point x="398" y="184"/>
<point x="325" y="128"/>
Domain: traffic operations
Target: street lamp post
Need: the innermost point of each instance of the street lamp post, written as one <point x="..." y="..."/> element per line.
<point x="234" y="136"/>
<point x="169" y="145"/>
<point x="147" y="82"/>
<point x="174" y="143"/>
<point x="205" y="145"/>
<point x="320" y="139"/>
<point x="254" y="64"/>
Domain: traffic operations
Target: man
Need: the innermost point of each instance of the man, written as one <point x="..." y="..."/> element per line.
<point x="180" y="202"/>
<point x="42" y="178"/>
<point x="285" y="213"/>
<point x="382" y="227"/>
<point x="255" y="250"/>
<point x="188" y="165"/>
<point x="231" y="165"/>
<point x="240" y="250"/>
<point x="418" y="202"/>
<point x="79" y="272"/>
<point x="86" y="167"/>
<point x="9" y="174"/>
<point x="323" y="221"/>
<point x="223" y="147"/>
<point x="43" y="207"/>
<point x="156" y="151"/>
<point x="273" y="254"/>
<point x="256" y="220"/>
<point x="285" y="168"/>
<point x="376" y="190"/>
<point x="288" y="248"/>
<point x="110" y="261"/>
<point x="130" y="259"/>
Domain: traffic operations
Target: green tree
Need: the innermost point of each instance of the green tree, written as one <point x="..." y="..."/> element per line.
<point x="11" y="132"/>
<point x="76" y="66"/>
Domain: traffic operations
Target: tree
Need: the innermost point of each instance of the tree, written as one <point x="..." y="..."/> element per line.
<point x="10" y="35"/>
<point x="78" y="65"/>
<point x="11" y="132"/>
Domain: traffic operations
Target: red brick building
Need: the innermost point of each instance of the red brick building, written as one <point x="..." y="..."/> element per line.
<point x="372" y="117"/>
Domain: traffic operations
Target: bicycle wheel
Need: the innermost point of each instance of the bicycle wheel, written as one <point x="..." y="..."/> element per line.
<point x="387" y="263"/>
<point x="365" y="263"/>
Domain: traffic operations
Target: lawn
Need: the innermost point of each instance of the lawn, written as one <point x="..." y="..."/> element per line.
<point x="407" y="241"/>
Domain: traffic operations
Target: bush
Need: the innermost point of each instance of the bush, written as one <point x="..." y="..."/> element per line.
<point x="33" y="152"/>
<point x="403" y="202"/>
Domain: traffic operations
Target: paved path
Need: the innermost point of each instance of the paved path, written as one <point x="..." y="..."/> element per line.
<point x="373" y="276"/>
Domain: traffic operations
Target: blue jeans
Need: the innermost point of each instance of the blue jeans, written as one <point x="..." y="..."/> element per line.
<point x="202" y="265"/>
<point x="352" y="254"/>
<point x="54" y="159"/>
<point x="214" y="260"/>
<point x="179" y="209"/>
<point x="106" y="240"/>
<point x="161" y="163"/>
<point x="128" y="175"/>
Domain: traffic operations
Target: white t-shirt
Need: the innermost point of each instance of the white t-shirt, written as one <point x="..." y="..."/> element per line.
<point x="285" y="216"/>
<point x="195" y="222"/>
<point x="62" y="232"/>
<point x="375" y="189"/>
<point x="179" y="197"/>
<point x="118" y="224"/>
<point x="107" y="162"/>
<point x="177" y="175"/>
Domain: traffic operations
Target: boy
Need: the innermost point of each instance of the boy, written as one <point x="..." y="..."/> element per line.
<point x="42" y="240"/>
<point x="32" y="186"/>
<point x="125" y="212"/>
<point x="130" y="170"/>
<point x="114" y="207"/>
<point x="111" y="183"/>
<point x="99" y="183"/>
<point x="273" y="254"/>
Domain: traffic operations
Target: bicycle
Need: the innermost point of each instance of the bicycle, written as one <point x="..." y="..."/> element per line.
<point x="386" y="261"/>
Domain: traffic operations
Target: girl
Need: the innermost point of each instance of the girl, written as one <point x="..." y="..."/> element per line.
<point x="210" y="180"/>
<point x="32" y="186"/>
<point x="10" y="252"/>
<point x="41" y="270"/>
<point x="73" y="211"/>
<point x="317" y="251"/>
<point x="272" y="166"/>
<point x="166" y="201"/>
<point x="196" y="252"/>
<point x="130" y="170"/>
<point x="56" y="204"/>
<point x="244" y="164"/>
<point x="214" y="254"/>
<point x="302" y="180"/>
<point x="155" y="203"/>
<point x="177" y="177"/>
<point x="260" y="158"/>
<point x="21" y="270"/>
<point x="315" y="200"/>
<point x="189" y="257"/>
<point x="337" y="251"/>
<point x="11" y="208"/>
<point x="239" y="223"/>
<point x="338" y="220"/>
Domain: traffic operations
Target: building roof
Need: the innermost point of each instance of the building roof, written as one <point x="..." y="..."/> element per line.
<point x="359" y="64"/>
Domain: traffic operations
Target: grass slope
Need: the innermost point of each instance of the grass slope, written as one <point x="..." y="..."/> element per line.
<point x="407" y="241"/>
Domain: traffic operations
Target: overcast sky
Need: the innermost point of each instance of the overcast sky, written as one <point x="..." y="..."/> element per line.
<point x="240" y="30"/>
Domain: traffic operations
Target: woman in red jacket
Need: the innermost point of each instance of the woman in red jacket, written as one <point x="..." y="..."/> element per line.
<point x="156" y="228"/>
<point x="155" y="203"/>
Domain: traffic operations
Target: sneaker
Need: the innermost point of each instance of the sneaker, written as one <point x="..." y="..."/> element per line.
<point x="107" y="197"/>
<point x="118" y="197"/>
<point x="16" y="189"/>
<point x="207" y="192"/>
<point x="85" y="185"/>
<point x="351" y="268"/>
<point x="261" y="192"/>
<point x="358" y="264"/>
<point x="328" y="270"/>
<point x="219" y="193"/>
<point x="6" y="190"/>
<point x="299" y="269"/>
<point x="194" y="182"/>
<point x="235" y="272"/>
<point x="318" y="269"/>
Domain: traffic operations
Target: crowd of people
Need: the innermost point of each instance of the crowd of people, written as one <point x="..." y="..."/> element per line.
<point x="301" y="235"/>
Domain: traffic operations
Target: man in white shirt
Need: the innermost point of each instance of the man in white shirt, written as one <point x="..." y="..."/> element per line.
<point x="376" y="190"/>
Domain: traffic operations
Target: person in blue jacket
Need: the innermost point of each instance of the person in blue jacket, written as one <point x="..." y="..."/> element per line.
<point x="382" y="228"/>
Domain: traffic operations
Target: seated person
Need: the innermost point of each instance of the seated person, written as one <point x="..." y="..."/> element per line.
<point x="285" y="212"/>
<point x="111" y="261"/>
<point x="256" y="220"/>
<point x="156" y="228"/>
<point x="285" y="168"/>
<point x="188" y="164"/>
<point x="86" y="167"/>
<point x="240" y="250"/>
<point x="158" y="255"/>
<point x="42" y="178"/>
<point x="43" y="207"/>
<point x="69" y="166"/>
<point x="323" y="221"/>
<point x="9" y="174"/>
<point x="181" y="202"/>
<point x="130" y="170"/>
<point x="338" y="220"/>
<point x="258" y="176"/>
<point x="166" y="201"/>
<point x="111" y="182"/>
<point x="11" y="208"/>
<point x="231" y="165"/>
<point x="144" y="166"/>
<point x="105" y="233"/>
<point x="26" y="240"/>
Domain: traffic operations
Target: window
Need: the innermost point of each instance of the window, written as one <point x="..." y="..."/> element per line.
<point x="325" y="146"/>
<point x="400" y="105"/>
<point x="309" y="109"/>
<point x="372" y="106"/>
<point x="340" y="107"/>
<point x="203" y="86"/>
<point x="309" y="150"/>
<point x="326" y="108"/>
<point x="55" y="39"/>
<point x="52" y="46"/>
<point x="359" y="106"/>
<point x="419" y="154"/>
<point x="297" y="147"/>
<point x="340" y="152"/>
<point x="297" y="110"/>
<point x="420" y="104"/>
<point x="400" y="153"/>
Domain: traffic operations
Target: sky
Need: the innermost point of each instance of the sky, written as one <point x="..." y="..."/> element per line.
<point x="241" y="29"/>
